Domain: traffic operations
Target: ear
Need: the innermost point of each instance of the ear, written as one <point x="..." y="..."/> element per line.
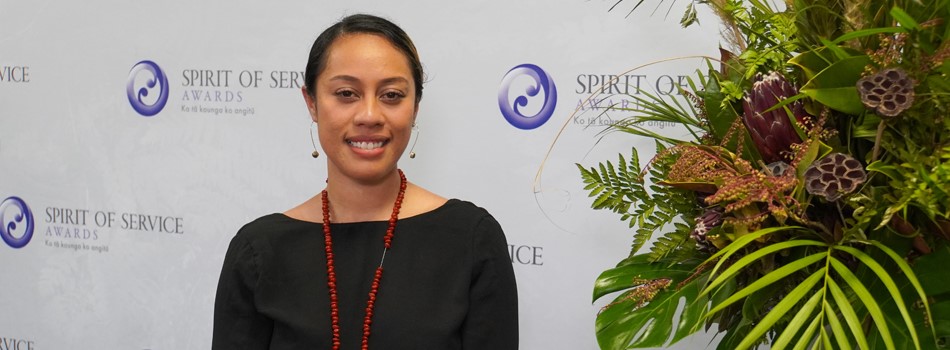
<point x="310" y="103"/>
<point x="414" y="114"/>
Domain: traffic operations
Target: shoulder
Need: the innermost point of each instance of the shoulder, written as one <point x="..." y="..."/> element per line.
<point x="269" y="228"/>
<point x="264" y="224"/>
<point x="420" y="201"/>
<point x="463" y="220"/>
<point x="462" y="211"/>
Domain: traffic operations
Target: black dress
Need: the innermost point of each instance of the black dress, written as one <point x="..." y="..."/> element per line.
<point x="447" y="284"/>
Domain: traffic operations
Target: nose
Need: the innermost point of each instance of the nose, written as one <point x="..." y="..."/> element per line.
<point x="370" y="113"/>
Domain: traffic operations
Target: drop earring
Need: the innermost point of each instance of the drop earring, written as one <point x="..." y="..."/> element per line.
<point x="412" y="153"/>
<point x="315" y="154"/>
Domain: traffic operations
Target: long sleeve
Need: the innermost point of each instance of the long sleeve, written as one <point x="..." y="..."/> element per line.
<point x="237" y="324"/>
<point x="492" y="320"/>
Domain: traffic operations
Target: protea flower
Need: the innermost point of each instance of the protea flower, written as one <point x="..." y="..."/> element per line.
<point x="772" y="131"/>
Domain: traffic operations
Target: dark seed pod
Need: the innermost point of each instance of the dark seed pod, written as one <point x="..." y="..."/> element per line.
<point x="888" y="92"/>
<point x="833" y="176"/>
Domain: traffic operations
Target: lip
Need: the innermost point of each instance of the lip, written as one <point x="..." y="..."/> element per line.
<point x="367" y="146"/>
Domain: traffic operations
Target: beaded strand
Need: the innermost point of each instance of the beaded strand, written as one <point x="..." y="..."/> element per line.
<point x="331" y="271"/>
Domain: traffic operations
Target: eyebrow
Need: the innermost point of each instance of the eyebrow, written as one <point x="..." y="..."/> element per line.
<point x="352" y="79"/>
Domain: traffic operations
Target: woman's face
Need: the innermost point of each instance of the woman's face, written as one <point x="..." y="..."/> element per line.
<point x="364" y="106"/>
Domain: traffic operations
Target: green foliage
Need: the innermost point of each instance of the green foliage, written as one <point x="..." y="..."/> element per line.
<point x="834" y="86"/>
<point x="622" y="190"/>
<point x="766" y="256"/>
<point x="654" y="289"/>
<point x="823" y="265"/>
<point x="674" y="206"/>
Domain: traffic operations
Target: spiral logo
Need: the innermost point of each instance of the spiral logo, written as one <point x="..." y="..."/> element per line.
<point x="16" y="222"/>
<point x="154" y="79"/>
<point x="542" y="84"/>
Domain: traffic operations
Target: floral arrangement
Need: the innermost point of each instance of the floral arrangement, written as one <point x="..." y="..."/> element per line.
<point x="810" y="206"/>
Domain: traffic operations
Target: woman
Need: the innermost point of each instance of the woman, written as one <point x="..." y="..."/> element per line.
<point x="373" y="261"/>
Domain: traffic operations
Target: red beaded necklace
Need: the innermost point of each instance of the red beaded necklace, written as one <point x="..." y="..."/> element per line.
<point x="331" y="274"/>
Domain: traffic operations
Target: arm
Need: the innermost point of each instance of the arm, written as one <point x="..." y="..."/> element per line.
<point x="237" y="324"/>
<point x="492" y="320"/>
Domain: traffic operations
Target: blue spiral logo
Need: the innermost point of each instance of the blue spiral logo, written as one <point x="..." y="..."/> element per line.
<point x="542" y="84"/>
<point x="155" y="80"/>
<point x="16" y="217"/>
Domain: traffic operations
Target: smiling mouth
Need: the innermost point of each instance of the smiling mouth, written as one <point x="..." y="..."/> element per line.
<point x="366" y="145"/>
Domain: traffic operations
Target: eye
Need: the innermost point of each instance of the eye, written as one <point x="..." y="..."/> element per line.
<point x="393" y="96"/>
<point x="346" y="94"/>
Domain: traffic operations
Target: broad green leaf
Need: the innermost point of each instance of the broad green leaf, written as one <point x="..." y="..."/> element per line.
<point x="720" y="119"/>
<point x="941" y="320"/>
<point x="835" y="85"/>
<point x="930" y="269"/>
<point x="625" y="325"/>
<point x="639" y="267"/>
<point x="617" y="323"/>
<point x="788" y="302"/>
<point x="839" y="52"/>
<point x="794" y="326"/>
<point x="691" y="317"/>
<point x="812" y="62"/>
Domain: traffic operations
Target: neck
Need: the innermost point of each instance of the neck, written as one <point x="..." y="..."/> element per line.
<point x="354" y="201"/>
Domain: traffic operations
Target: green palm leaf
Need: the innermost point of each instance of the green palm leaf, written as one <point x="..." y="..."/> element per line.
<point x="873" y="308"/>
<point x="736" y="246"/>
<point x="783" y="307"/>
<point x="840" y="335"/>
<point x="831" y="317"/>
<point x="809" y="333"/>
<point x="803" y="315"/>
<point x="911" y="277"/>
<point x="891" y="286"/>
<point x="768" y="279"/>
<point x="850" y="317"/>
<point x="758" y="254"/>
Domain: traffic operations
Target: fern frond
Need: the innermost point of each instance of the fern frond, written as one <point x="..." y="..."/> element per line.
<point x="671" y="244"/>
<point x="621" y="190"/>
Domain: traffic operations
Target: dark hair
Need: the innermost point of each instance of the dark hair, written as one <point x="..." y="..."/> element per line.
<point x="367" y="24"/>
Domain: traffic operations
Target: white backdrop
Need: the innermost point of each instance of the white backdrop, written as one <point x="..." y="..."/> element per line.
<point x="131" y="214"/>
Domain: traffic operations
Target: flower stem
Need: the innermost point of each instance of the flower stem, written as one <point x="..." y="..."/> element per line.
<point x="877" y="141"/>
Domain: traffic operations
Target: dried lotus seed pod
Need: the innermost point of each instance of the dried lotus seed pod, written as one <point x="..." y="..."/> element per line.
<point x="888" y="92"/>
<point x="833" y="176"/>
